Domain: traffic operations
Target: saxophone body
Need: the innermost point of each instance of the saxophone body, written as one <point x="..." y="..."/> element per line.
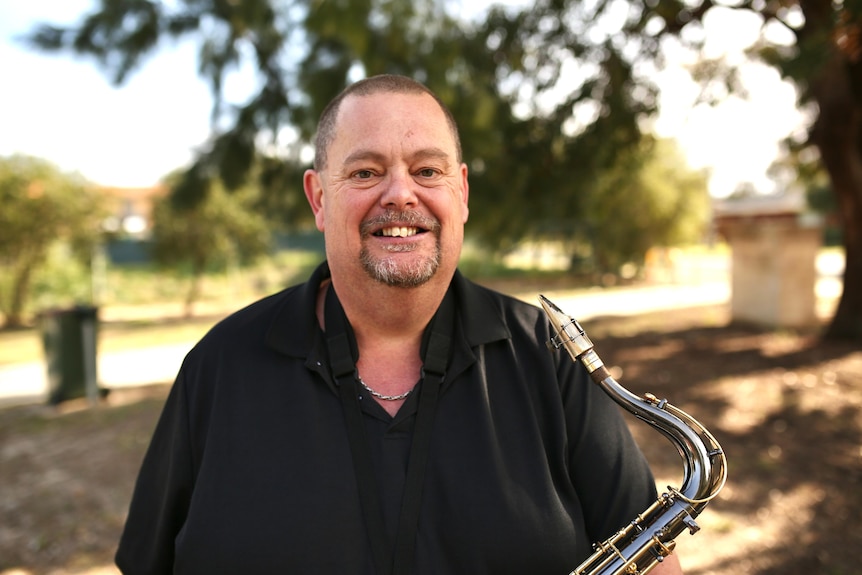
<point x="650" y="537"/>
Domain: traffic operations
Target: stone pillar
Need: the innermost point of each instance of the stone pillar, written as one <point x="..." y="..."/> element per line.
<point x="773" y="270"/>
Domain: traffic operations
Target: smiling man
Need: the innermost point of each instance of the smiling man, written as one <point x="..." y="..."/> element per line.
<point x="387" y="416"/>
<point x="389" y="191"/>
<point x="396" y="166"/>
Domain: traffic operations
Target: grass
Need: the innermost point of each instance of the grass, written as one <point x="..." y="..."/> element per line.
<point x="140" y="306"/>
<point x="25" y="345"/>
<point x="19" y="346"/>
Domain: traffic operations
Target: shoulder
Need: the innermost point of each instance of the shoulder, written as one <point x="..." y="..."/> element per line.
<point x="481" y="305"/>
<point x="254" y="318"/>
<point x="282" y="322"/>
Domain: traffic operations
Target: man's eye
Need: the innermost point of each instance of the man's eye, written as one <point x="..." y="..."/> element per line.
<point x="363" y="174"/>
<point x="428" y="172"/>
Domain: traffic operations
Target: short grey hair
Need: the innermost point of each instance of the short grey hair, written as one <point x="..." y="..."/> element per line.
<point x="384" y="83"/>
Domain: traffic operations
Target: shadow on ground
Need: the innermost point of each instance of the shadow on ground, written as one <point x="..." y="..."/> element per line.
<point x="787" y="409"/>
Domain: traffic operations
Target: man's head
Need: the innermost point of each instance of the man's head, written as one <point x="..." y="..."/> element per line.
<point x="386" y="83"/>
<point x="389" y="189"/>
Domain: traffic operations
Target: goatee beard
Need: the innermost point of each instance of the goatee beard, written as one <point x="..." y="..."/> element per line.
<point x="388" y="270"/>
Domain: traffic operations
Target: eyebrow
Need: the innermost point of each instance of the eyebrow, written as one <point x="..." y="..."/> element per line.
<point x="425" y="153"/>
<point x="361" y="155"/>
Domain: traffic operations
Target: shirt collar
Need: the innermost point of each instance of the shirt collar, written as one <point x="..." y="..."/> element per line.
<point x="294" y="324"/>
<point x="480" y="315"/>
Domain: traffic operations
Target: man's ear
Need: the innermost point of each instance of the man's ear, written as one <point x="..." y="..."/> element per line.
<point x="465" y="194"/>
<point x="314" y="194"/>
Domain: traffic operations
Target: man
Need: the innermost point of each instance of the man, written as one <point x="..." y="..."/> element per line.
<point x="387" y="416"/>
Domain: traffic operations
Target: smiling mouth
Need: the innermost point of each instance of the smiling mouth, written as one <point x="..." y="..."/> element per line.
<point x="399" y="224"/>
<point x="398" y="232"/>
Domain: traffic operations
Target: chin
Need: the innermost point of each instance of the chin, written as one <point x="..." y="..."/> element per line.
<point x="394" y="273"/>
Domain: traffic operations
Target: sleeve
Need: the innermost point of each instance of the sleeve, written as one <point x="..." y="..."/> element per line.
<point x="609" y="471"/>
<point x="162" y="492"/>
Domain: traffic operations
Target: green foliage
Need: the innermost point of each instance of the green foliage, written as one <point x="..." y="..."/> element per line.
<point x="567" y="111"/>
<point x="549" y="104"/>
<point x="648" y="200"/>
<point x="549" y="97"/>
<point x="221" y="230"/>
<point x="491" y="73"/>
<point x="808" y="174"/>
<point x="41" y="206"/>
<point x="61" y="282"/>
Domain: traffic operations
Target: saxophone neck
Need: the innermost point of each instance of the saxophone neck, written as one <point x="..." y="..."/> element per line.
<point x="702" y="454"/>
<point x="637" y="548"/>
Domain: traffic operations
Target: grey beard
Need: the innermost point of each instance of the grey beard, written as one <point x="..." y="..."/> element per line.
<point x="387" y="271"/>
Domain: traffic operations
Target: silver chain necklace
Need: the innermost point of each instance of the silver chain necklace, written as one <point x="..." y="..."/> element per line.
<point x="379" y="395"/>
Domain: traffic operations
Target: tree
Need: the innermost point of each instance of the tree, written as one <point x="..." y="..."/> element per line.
<point x="41" y="205"/>
<point x="801" y="169"/>
<point x="518" y="158"/>
<point x="551" y="98"/>
<point x="657" y="203"/>
<point x="221" y="229"/>
<point x="824" y="61"/>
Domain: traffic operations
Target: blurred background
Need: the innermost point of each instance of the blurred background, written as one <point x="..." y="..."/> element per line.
<point x="686" y="176"/>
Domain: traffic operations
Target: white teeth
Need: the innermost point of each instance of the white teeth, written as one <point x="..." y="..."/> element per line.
<point x="399" y="232"/>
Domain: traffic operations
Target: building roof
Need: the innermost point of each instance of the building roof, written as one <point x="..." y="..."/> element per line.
<point x="771" y="205"/>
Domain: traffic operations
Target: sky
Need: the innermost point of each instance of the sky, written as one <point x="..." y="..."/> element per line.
<point x="66" y="111"/>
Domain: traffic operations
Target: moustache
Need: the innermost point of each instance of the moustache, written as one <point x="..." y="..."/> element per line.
<point x="406" y="218"/>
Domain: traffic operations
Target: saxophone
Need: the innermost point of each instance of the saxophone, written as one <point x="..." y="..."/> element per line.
<point x="638" y="547"/>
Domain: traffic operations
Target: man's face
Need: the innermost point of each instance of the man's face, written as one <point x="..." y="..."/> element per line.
<point x="392" y="198"/>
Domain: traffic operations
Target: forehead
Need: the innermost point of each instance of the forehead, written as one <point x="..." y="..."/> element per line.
<point x="387" y="121"/>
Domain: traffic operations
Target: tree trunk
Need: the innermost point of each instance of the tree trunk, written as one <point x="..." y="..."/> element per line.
<point x="194" y="287"/>
<point x="838" y="135"/>
<point x="20" y="289"/>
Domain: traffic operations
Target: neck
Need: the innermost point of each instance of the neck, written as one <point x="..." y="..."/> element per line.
<point x="381" y="313"/>
<point x="388" y="324"/>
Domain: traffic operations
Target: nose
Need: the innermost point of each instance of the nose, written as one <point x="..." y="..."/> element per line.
<point x="400" y="191"/>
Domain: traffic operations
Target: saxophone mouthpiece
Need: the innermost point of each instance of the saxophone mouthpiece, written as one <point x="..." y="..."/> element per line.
<point x="569" y="333"/>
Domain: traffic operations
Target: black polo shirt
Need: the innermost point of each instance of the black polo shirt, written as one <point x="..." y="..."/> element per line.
<point x="250" y="471"/>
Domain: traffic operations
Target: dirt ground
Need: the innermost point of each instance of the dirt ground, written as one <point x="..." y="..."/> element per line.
<point x="786" y="407"/>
